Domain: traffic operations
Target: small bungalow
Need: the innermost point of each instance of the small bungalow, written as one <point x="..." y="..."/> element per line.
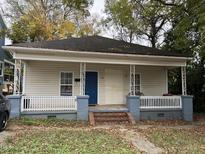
<point x="100" y="78"/>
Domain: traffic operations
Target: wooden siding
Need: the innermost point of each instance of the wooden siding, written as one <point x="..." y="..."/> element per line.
<point x="43" y="78"/>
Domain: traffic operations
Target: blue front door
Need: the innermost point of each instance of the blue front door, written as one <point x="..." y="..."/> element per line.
<point x="91" y="87"/>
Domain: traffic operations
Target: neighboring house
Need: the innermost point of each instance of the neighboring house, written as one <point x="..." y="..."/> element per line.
<point x="117" y="76"/>
<point x="6" y="65"/>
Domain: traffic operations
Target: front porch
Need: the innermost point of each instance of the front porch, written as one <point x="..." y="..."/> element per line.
<point x="106" y="84"/>
<point x="53" y="90"/>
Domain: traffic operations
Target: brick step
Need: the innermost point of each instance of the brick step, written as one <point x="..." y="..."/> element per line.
<point x="113" y="123"/>
<point x="110" y="117"/>
<point x="108" y="114"/>
<point x="104" y="119"/>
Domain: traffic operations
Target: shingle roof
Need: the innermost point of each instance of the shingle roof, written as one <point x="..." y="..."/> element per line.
<point x="99" y="44"/>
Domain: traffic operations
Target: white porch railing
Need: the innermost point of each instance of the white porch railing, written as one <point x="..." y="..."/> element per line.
<point x="160" y="102"/>
<point x="48" y="103"/>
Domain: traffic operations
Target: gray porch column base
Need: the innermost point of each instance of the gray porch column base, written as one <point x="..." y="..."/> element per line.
<point x="82" y="108"/>
<point x="187" y="108"/>
<point x="133" y="105"/>
<point x="15" y="101"/>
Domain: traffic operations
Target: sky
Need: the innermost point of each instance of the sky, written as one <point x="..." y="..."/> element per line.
<point x="98" y="7"/>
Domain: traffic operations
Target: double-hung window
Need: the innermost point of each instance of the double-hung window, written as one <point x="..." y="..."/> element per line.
<point x="66" y="83"/>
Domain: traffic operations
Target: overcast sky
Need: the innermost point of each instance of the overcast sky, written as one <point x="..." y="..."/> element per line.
<point x="98" y="7"/>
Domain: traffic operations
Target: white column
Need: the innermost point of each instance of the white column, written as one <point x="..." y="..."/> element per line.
<point x="82" y="78"/>
<point x="167" y="80"/>
<point x="17" y="77"/>
<point x="183" y="77"/>
<point x="24" y="78"/>
<point x="132" y="80"/>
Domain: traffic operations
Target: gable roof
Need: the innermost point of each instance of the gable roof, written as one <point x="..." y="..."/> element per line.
<point x="101" y="45"/>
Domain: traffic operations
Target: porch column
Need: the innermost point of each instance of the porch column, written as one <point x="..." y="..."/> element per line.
<point x="132" y="80"/>
<point x="17" y="77"/>
<point x="82" y="108"/>
<point x="183" y="77"/>
<point x="24" y="78"/>
<point x="82" y="78"/>
<point x="15" y="102"/>
<point x="133" y="105"/>
<point x="187" y="108"/>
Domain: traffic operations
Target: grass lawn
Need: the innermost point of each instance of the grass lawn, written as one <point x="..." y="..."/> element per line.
<point x="48" y="122"/>
<point x="61" y="136"/>
<point x="64" y="139"/>
<point x="178" y="140"/>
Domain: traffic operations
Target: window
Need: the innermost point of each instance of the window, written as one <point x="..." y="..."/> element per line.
<point x="137" y="84"/>
<point x="1" y="68"/>
<point x="8" y="72"/>
<point x="66" y="84"/>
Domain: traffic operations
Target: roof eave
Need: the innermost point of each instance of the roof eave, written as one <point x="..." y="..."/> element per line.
<point x="28" y="49"/>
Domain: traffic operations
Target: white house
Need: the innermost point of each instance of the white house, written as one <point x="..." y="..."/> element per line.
<point x="106" y="70"/>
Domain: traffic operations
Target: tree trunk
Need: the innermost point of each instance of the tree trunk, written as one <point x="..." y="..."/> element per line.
<point x="131" y="35"/>
<point x="153" y="41"/>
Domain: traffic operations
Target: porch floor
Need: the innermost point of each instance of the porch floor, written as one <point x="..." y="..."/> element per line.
<point x="108" y="108"/>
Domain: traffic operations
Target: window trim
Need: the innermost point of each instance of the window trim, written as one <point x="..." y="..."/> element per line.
<point x="2" y="71"/>
<point x="65" y="84"/>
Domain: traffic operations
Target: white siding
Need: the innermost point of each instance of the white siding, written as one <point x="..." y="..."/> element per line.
<point x="42" y="78"/>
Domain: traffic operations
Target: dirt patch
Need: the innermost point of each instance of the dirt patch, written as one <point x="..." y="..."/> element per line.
<point x="4" y="135"/>
<point x="199" y="117"/>
<point x="9" y="132"/>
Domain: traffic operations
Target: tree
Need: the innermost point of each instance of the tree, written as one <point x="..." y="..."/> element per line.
<point x="123" y="21"/>
<point x="137" y="18"/>
<point x="187" y="35"/>
<point x="90" y="26"/>
<point x="48" y="19"/>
